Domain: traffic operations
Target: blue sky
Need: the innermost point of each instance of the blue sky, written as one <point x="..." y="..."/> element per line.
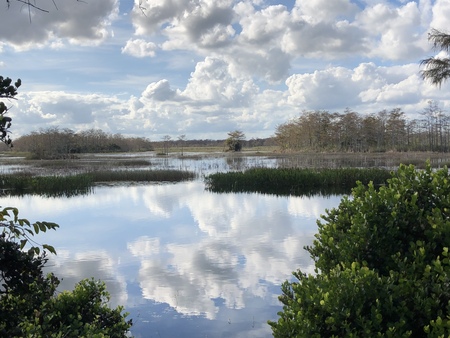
<point x="203" y="68"/>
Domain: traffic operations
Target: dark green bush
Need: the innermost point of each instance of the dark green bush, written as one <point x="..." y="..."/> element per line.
<point x="29" y="303"/>
<point x="382" y="266"/>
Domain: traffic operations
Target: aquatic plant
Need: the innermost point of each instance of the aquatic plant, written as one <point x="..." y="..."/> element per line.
<point x="294" y="181"/>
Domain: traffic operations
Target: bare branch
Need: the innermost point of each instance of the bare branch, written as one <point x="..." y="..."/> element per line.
<point x="30" y="5"/>
<point x="142" y="8"/>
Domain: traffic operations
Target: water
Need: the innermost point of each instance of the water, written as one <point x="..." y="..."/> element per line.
<point x="182" y="260"/>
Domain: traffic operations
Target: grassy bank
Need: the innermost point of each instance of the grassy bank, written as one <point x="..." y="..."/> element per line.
<point x="291" y="181"/>
<point x="70" y="185"/>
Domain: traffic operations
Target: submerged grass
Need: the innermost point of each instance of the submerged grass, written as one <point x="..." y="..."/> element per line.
<point x="294" y="181"/>
<point x="71" y="185"/>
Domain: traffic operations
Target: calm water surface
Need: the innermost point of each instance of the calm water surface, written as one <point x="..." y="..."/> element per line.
<point x="183" y="261"/>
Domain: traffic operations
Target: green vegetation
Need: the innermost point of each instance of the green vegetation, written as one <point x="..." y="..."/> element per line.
<point x="71" y="185"/>
<point x="294" y="181"/>
<point x="437" y="69"/>
<point x="382" y="264"/>
<point x="235" y="140"/>
<point x="29" y="303"/>
<point x="141" y="176"/>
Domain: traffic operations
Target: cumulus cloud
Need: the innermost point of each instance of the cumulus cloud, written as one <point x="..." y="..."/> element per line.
<point x="247" y="65"/>
<point x="78" y="22"/>
<point x="139" y="48"/>
<point x="218" y="98"/>
<point x="212" y="81"/>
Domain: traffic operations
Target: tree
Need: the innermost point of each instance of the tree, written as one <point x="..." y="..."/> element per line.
<point x="437" y="69"/>
<point x="182" y="139"/>
<point x="166" y="139"/>
<point x="7" y="91"/>
<point x="234" y="140"/>
<point x="382" y="264"/>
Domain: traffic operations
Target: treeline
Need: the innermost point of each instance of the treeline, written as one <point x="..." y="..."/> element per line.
<point x="53" y="143"/>
<point x="353" y="132"/>
<point x="174" y="143"/>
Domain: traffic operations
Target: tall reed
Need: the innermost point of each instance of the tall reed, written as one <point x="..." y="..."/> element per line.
<point x="141" y="175"/>
<point x="69" y="185"/>
<point x="294" y="181"/>
<point x="24" y="183"/>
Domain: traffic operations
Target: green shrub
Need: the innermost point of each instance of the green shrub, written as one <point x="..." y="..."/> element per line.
<point x="382" y="266"/>
<point x="29" y="306"/>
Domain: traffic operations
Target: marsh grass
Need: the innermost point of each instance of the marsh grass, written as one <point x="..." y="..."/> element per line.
<point x="141" y="176"/>
<point x="55" y="186"/>
<point x="293" y="181"/>
<point x="79" y="184"/>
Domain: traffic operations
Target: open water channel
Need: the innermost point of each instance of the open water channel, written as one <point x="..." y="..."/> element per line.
<point x="182" y="260"/>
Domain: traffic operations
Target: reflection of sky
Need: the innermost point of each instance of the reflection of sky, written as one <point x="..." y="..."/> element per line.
<point x="179" y="257"/>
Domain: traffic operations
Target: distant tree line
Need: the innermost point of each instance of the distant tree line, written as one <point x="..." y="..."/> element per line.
<point x="54" y="143"/>
<point x="173" y="144"/>
<point x="354" y="132"/>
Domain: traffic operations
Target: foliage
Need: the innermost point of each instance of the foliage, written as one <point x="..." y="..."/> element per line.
<point x="294" y="181"/>
<point x="8" y="90"/>
<point x="234" y="140"/>
<point x="51" y="186"/>
<point x="382" y="266"/>
<point x="353" y="132"/>
<point x="437" y="69"/>
<point x="28" y="305"/>
<point x="81" y="184"/>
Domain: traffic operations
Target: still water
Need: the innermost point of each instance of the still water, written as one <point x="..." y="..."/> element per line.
<point x="182" y="260"/>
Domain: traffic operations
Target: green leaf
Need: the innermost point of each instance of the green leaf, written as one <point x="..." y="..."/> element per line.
<point x="23" y="242"/>
<point x="42" y="227"/>
<point x="49" y="248"/>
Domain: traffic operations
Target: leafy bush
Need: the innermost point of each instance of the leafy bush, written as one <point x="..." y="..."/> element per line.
<point x="28" y="304"/>
<point x="382" y="265"/>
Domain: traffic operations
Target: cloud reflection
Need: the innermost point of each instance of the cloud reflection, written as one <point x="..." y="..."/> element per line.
<point x="96" y="264"/>
<point x="248" y="244"/>
<point x="175" y="251"/>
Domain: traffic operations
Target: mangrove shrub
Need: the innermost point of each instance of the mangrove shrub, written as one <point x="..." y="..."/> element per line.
<point x="382" y="265"/>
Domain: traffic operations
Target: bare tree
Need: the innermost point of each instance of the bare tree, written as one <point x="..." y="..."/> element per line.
<point x="437" y="69"/>
<point x="166" y="139"/>
<point x="182" y="139"/>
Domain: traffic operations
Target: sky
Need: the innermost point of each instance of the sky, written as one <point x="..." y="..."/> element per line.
<point x="203" y="68"/>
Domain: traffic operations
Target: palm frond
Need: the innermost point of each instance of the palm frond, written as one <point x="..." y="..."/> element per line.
<point x="440" y="40"/>
<point x="437" y="70"/>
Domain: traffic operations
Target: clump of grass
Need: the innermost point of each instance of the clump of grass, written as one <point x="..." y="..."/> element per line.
<point x="71" y="185"/>
<point x="25" y="183"/>
<point x="141" y="176"/>
<point x="294" y="181"/>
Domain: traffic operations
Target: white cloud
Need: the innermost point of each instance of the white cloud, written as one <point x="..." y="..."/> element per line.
<point x="205" y="67"/>
<point x="441" y="13"/>
<point x="78" y="22"/>
<point x="139" y="48"/>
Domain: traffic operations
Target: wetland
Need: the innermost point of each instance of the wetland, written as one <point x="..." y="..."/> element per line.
<point x="181" y="258"/>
